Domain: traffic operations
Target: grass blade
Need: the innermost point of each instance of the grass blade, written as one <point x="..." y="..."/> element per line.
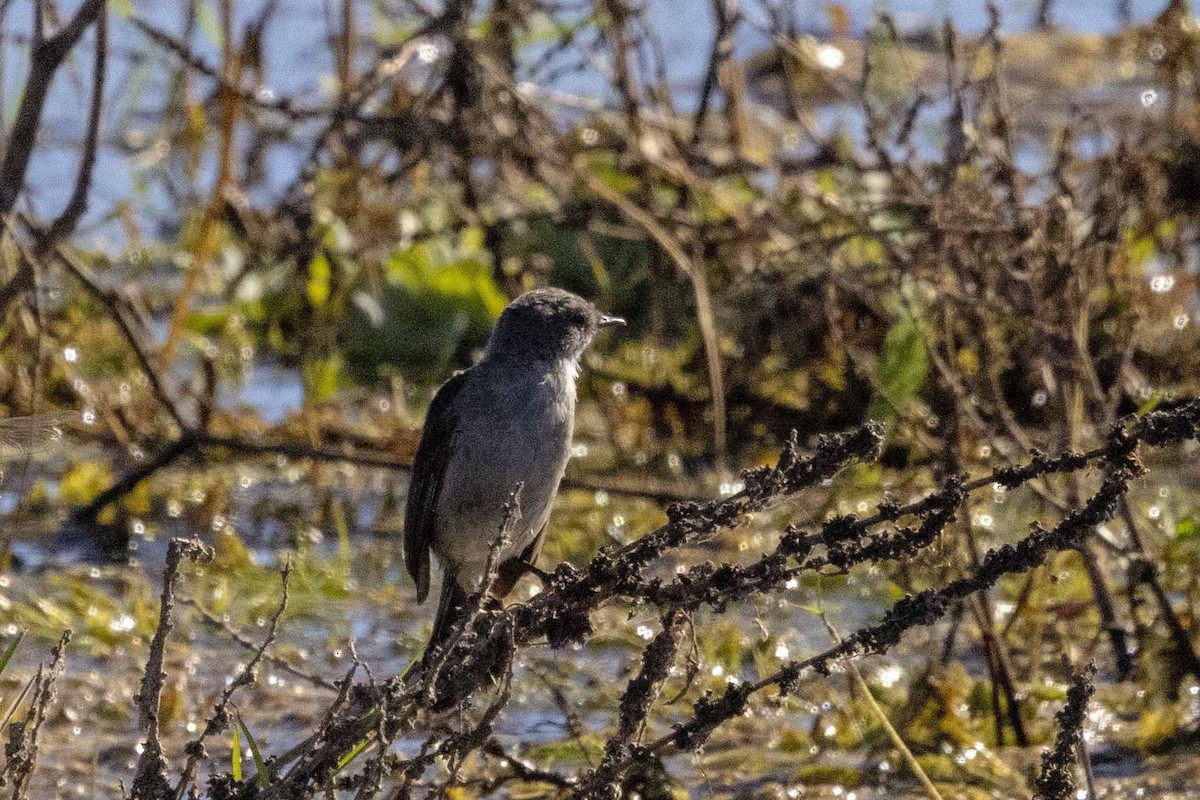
<point x="910" y="760"/>
<point x="343" y="534"/>
<point x="353" y="754"/>
<point x="264" y="780"/>
<point x="8" y="651"/>
<point x="12" y="709"/>
<point x="236" y="755"/>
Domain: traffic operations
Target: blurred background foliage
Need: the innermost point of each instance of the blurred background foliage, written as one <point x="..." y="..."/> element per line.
<point x="868" y="224"/>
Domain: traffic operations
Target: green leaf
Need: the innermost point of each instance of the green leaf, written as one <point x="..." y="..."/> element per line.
<point x="353" y="754"/>
<point x="236" y="755"/>
<point x="264" y="780"/>
<point x="322" y="377"/>
<point x="437" y="305"/>
<point x="318" y="280"/>
<point x="472" y="240"/>
<point x="604" y="167"/>
<point x="12" y="707"/>
<point x="425" y="268"/>
<point x="83" y="481"/>
<point x="1185" y="530"/>
<point x="8" y="651"/>
<point x="979" y="701"/>
<point x="903" y="368"/>
<point x="1150" y="403"/>
<point x="207" y="322"/>
<point x="1139" y="249"/>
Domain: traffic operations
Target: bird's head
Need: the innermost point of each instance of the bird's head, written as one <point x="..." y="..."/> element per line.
<point x="548" y="325"/>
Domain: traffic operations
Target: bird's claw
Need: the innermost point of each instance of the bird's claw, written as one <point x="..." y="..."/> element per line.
<point x="543" y="577"/>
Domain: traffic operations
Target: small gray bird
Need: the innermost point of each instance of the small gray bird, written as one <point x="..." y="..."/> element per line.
<point x="505" y="421"/>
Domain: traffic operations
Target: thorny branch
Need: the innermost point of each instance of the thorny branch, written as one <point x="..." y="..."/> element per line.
<point x="562" y="612"/>
<point x="151" y="780"/>
<point x="1056" y="781"/>
<point x="21" y="748"/>
<point x="240" y="638"/>
<point x="218" y="720"/>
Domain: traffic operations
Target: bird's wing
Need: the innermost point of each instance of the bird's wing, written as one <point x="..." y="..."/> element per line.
<point x="429" y="470"/>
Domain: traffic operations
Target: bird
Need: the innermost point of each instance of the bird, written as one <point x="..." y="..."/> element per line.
<point x="500" y="426"/>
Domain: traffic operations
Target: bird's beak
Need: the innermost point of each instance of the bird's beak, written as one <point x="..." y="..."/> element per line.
<point x="607" y="321"/>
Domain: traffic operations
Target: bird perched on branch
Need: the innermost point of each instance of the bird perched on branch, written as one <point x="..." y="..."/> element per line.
<point x="503" y="423"/>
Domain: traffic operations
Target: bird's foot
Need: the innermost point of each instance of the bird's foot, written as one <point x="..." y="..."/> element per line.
<point x="543" y="577"/>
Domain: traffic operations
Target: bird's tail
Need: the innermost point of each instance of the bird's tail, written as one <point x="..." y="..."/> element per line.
<point x="449" y="612"/>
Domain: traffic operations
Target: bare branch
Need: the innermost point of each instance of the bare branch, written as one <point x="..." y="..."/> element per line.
<point x="65" y="224"/>
<point x="46" y="57"/>
<point x="151" y="782"/>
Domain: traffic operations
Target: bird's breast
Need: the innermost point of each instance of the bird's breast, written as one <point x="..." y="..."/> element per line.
<point x="513" y="429"/>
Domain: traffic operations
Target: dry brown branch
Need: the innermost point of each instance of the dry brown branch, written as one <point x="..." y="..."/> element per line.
<point x="46" y="56"/>
<point x="704" y="307"/>
<point x="289" y="107"/>
<point x="636" y="702"/>
<point x="151" y="781"/>
<point x="1015" y="281"/>
<point x="613" y="574"/>
<point x="224" y="183"/>
<point x="219" y="719"/>
<point x="121" y="313"/>
<point x="240" y="638"/>
<point x="21" y="749"/>
<point x="68" y="220"/>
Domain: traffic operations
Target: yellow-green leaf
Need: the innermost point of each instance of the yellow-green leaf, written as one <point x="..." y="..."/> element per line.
<point x="236" y="755"/>
<point x="264" y="780"/>
<point x="1185" y="530"/>
<point x="903" y="368"/>
<point x="8" y="651"/>
<point x="318" y="280"/>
